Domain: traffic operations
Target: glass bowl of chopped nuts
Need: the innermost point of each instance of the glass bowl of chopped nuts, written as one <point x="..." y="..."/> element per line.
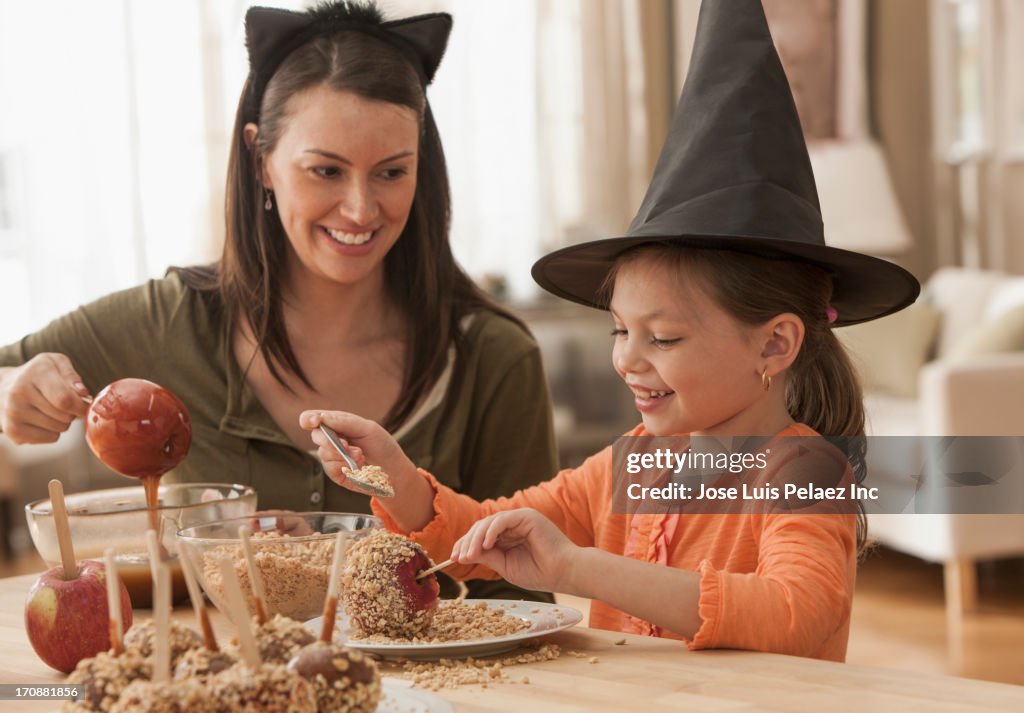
<point x="293" y="552"/>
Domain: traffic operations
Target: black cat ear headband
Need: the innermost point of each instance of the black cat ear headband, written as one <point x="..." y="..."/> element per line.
<point x="271" y="34"/>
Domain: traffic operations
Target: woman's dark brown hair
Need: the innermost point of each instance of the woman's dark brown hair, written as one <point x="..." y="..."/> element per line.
<point x="823" y="390"/>
<point x="421" y="275"/>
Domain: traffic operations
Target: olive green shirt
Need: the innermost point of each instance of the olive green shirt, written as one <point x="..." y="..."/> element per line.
<point x="485" y="430"/>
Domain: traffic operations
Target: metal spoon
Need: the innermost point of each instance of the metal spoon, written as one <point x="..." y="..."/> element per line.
<point x="360" y="486"/>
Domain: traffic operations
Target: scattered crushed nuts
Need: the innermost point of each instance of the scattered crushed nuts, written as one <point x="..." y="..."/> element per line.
<point x="451" y="673"/>
<point x="620" y="642"/>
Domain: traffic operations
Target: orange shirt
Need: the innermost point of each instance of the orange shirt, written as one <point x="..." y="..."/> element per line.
<point x="780" y="583"/>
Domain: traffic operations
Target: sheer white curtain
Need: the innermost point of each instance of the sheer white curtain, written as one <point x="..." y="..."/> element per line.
<point x="548" y="110"/>
<point x="113" y="145"/>
<point x="485" y="101"/>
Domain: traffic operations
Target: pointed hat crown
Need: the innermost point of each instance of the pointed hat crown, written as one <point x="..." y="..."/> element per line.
<point x="734" y="174"/>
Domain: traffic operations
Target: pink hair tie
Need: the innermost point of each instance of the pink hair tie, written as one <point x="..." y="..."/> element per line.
<point x="831" y="313"/>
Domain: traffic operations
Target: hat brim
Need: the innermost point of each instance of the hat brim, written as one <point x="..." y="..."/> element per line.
<point x="864" y="287"/>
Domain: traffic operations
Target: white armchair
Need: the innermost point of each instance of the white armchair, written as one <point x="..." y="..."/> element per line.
<point x="962" y="351"/>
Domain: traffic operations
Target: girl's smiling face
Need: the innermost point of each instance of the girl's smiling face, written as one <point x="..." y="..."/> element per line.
<point x="344" y="177"/>
<point x="691" y="366"/>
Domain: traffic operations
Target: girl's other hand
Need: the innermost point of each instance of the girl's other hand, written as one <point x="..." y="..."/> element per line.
<point x="522" y="546"/>
<point x="40" y="399"/>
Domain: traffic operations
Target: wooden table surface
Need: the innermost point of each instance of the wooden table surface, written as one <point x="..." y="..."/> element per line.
<point x="644" y="674"/>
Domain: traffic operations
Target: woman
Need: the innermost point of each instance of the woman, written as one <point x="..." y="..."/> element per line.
<point x="336" y="285"/>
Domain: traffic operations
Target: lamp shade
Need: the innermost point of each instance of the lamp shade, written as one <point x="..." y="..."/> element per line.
<point x="858" y="205"/>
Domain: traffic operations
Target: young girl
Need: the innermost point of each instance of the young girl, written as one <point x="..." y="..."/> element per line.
<point x="722" y="295"/>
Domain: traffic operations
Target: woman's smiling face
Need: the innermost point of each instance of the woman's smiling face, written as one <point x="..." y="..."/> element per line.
<point x="691" y="366"/>
<point x="343" y="174"/>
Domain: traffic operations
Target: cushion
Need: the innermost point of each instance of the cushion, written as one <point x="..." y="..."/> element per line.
<point x="889" y="352"/>
<point x="888" y="415"/>
<point x="1008" y="295"/>
<point x="1004" y="333"/>
<point x="962" y="295"/>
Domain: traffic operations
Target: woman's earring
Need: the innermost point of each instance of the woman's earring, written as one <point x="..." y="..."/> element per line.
<point x="766" y="381"/>
<point x="268" y="205"/>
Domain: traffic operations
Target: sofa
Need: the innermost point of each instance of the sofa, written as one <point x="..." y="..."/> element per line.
<point x="950" y="365"/>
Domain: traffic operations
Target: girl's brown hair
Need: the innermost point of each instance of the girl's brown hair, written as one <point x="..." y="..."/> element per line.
<point x="421" y="275"/>
<point x="823" y="390"/>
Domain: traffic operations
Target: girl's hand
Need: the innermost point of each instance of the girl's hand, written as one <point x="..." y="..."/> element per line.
<point x="366" y="440"/>
<point x="40" y="399"/>
<point x="523" y="547"/>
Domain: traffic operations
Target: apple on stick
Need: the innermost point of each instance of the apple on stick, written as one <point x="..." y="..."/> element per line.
<point x="67" y="611"/>
<point x="138" y="428"/>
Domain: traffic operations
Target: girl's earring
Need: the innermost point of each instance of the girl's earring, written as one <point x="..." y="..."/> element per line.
<point x="766" y="381"/>
<point x="268" y="205"/>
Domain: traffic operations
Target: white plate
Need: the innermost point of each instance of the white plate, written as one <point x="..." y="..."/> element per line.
<point x="543" y="618"/>
<point x="398" y="697"/>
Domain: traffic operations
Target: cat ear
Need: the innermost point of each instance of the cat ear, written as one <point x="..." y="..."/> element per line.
<point x="427" y="35"/>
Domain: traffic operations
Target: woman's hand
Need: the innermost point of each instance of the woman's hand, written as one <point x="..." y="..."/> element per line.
<point x="40" y="399"/>
<point x="412" y="507"/>
<point x="286" y="522"/>
<point x="523" y="547"/>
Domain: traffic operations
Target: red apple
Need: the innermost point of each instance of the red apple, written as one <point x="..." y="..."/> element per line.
<point x="138" y="428"/>
<point x="67" y="620"/>
<point x="419" y="594"/>
<point x="381" y="593"/>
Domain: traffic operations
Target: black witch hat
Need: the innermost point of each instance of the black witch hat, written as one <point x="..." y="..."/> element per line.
<point x="734" y="174"/>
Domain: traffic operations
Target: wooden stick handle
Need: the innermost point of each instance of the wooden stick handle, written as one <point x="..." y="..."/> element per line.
<point x="114" y="603"/>
<point x="153" y="546"/>
<point x="198" y="605"/>
<point x="63" y="528"/>
<point x="333" y="584"/>
<point x="255" y="578"/>
<point x="238" y="612"/>
<point x="162" y="633"/>
<point x="435" y="568"/>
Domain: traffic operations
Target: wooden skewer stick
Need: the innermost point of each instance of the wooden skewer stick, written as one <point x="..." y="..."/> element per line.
<point x="60" y="522"/>
<point x="114" y="604"/>
<point x="255" y="578"/>
<point x="333" y="584"/>
<point x="198" y="605"/>
<point x="238" y="612"/>
<point x="162" y="633"/>
<point x="435" y="568"/>
<point x="153" y="546"/>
